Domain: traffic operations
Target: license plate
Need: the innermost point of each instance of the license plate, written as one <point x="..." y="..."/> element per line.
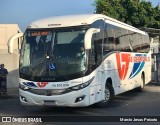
<point x="50" y="103"/>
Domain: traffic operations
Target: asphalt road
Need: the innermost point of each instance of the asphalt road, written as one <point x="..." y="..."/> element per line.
<point x="132" y="103"/>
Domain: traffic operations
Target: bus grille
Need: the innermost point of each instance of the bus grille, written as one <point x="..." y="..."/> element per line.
<point x="48" y="92"/>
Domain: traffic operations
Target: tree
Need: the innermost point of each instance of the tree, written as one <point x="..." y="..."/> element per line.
<point x="134" y="12"/>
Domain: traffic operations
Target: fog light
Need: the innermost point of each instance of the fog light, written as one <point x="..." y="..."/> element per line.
<point x="24" y="99"/>
<point x="78" y="99"/>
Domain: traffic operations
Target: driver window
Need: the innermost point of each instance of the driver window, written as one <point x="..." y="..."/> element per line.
<point x="97" y="39"/>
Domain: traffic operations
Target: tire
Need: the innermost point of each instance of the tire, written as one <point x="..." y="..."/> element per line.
<point x="109" y="94"/>
<point x="141" y="87"/>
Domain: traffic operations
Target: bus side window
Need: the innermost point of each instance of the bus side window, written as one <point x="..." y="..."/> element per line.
<point x="92" y="51"/>
<point x="98" y="51"/>
<point x="116" y="36"/>
<point x="97" y="41"/>
<point x="128" y="42"/>
<point x="109" y="39"/>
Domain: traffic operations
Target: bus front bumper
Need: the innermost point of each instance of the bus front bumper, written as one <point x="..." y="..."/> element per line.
<point x="78" y="98"/>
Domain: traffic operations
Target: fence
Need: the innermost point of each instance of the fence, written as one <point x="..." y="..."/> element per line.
<point x="156" y="68"/>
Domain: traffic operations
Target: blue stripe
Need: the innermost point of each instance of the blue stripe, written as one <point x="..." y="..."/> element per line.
<point x="137" y="67"/>
<point x="141" y="66"/>
<point x="30" y="84"/>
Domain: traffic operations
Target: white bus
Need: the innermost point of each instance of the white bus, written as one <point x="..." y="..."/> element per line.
<point x="80" y="60"/>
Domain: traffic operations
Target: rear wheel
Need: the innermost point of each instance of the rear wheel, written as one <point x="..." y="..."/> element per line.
<point x="141" y="87"/>
<point x="109" y="94"/>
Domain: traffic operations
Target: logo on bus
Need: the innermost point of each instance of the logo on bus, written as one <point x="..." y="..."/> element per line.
<point x="123" y="61"/>
<point x="139" y="61"/>
<point x="42" y="84"/>
<point x="122" y="64"/>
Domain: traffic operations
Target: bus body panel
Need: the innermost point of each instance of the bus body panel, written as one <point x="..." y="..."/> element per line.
<point x="133" y="73"/>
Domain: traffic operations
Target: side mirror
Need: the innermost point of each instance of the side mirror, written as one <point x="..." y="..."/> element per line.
<point x="88" y="37"/>
<point x="12" y="40"/>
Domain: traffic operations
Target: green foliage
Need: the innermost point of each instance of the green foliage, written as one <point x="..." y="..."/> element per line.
<point x="134" y="12"/>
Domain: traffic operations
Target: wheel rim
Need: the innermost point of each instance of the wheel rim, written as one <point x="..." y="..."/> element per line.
<point x="107" y="94"/>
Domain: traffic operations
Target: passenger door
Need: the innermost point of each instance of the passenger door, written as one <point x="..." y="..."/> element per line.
<point x="96" y="54"/>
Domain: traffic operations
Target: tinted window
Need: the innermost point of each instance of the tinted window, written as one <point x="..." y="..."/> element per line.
<point x="120" y="39"/>
<point x="97" y="40"/>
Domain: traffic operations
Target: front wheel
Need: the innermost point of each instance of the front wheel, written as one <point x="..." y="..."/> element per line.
<point x="109" y="94"/>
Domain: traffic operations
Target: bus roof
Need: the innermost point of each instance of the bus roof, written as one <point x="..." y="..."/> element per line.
<point x="77" y="20"/>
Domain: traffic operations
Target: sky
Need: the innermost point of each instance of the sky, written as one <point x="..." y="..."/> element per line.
<point x="23" y="12"/>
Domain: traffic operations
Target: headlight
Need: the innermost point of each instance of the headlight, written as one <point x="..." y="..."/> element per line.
<point x="81" y="86"/>
<point x="23" y="87"/>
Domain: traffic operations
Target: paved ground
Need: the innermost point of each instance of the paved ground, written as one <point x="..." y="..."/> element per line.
<point x="131" y="103"/>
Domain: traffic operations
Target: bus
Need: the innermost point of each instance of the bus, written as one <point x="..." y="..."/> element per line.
<point x="80" y="60"/>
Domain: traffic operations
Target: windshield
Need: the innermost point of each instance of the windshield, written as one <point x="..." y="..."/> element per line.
<point x="52" y="54"/>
